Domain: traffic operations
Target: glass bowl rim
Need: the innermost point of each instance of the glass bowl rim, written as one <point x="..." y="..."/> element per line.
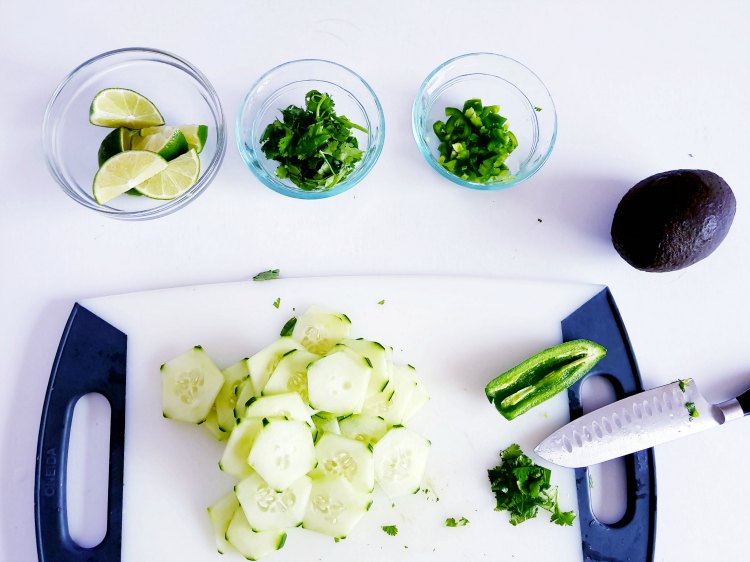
<point x="427" y="153"/>
<point x="169" y="206"/>
<point x="354" y="178"/>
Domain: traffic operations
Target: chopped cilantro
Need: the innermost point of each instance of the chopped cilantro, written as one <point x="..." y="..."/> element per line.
<point x="683" y="383"/>
<point x="391" y="530"/>
<point x="452" y="522"/>
<point x="692" y="410"/>
<point x="314" y="147"/>
<point x="288" y="327"/>
<point x="475" y="142"/>
<point x="277" y="302"/>
<point x="267" y="275"/>
<point x="381" y="302"/>
<point x="537" y="108"/>
<point x="522" y="487"/>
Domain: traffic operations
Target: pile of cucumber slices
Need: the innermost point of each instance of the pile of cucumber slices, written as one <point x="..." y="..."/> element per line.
<point x="311" y="423"/>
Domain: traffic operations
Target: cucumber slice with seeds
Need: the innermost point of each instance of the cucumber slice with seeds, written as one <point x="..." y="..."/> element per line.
<point x="335" y="507"/>
<point x="319" y="329"/>
<point x="263" y="363"/>
<point x="291" y="374"/>
<point x="283" y="452"/>
<point x="241" y="440"/>
<point x="341" y="456"/>
<point x="220" y="514"/>
<point x="190" y="383"/>
<point x="338" y="382"/>
<point x="400" y="461"/>
<point x="227" y="398"/>
<point x="251" y="544"/>
<point x="363" y="428"/>
<point x="267" y="509"/>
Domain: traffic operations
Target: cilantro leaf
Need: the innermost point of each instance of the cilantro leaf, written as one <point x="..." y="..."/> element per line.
<point x="391" y="530"/>
<point x="522" y="488"/>
<point x="381" y="302"/>
<point x="314" y="147"/>
<point x="267" y="275"/>
<point x="277" y="302"/>
<point x="683" y="384"/>
<point x="692" y="410"/>
<point x="452" y="522"/>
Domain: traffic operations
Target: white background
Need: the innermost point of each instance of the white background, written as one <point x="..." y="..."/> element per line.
<point x="640" y="87"/>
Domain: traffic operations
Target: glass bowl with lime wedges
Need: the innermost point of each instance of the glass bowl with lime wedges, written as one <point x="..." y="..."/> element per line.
<point x="484" y="121"/>
<point x="310" y="129"/>
<point x="134" y="133"/>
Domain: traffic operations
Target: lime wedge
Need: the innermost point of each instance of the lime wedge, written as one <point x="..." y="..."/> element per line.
<point x="167" y="142"/>
<point x="119" y="107"/>
<point x="124" y="171"/>
<point x="195" y="135"/>
<point x="115" y="142"/>
<point x="179" y="175"/>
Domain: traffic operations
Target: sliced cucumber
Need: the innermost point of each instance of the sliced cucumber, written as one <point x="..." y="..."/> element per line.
<point x="338" y="382"/>
<point x="221" y="514"/>
<point x="283" y="452"/>
<point x="227" y="398"/>
<point x="402" y="384"/>
<point x="319" y="329"/>
<point x="366" y="429"/>
<point x="400" y="461"/>
<point x="212" y="426"/>
<point x="326" y="423"/>
<point x="251" y="544"/>
<point x="263" y="363"/>
<point x="341" y="456"/>
<point x="288" y="406"/>
<point x="291" y="374"/>
<point x="190" y="383"/>
<point x="335" y="507"/>
<point x="234" y="459"/>
<point x="418" y="399"/>
<point x="376" y="405"/>
<point x="267" y="509"/>
<point x="245" y="396"/>
<point x="380" y="359"/>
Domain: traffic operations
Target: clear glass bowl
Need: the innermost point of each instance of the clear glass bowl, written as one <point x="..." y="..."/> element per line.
<point x="180" y="91"/>
<point x="287" y="85"/>
<point x="496" y="80"/>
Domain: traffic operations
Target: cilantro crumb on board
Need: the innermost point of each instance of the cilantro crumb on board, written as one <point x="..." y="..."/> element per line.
<point x="390" y="530"/>
<point x="267" y="275"/>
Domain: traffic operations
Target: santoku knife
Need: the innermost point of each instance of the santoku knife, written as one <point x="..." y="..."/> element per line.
<point x="639" y="422"/>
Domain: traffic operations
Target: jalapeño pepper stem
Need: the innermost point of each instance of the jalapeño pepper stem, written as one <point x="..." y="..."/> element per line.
<point x="540" y="377"/>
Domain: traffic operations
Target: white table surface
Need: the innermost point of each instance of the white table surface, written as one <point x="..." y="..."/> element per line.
<point x="640" y="87"/>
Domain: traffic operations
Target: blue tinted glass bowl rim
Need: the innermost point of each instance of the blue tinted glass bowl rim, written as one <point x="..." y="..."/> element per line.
<point x="427" y="153"/>
<point x="170" y="206"/>
<point x="269" y="181"/>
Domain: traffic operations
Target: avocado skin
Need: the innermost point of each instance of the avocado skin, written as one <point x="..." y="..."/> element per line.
<point x="672" y="220"/>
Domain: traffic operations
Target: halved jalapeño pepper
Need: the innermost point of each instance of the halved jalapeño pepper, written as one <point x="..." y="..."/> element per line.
<point x="540" y="377"/>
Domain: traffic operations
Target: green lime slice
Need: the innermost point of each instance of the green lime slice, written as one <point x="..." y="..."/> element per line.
<point x="167" y="142"/>
<point x="124" y="171"/>
<point x="195" y="135"/>
<point x="115" y="142"/>
<point x="119" y="107"/>
<point x="179" y="175"/>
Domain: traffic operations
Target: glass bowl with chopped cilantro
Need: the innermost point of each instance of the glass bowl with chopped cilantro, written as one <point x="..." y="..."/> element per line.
<point x="484" y="121"/>
<point x="129" y="101"/>
<point x="310" y="129"/>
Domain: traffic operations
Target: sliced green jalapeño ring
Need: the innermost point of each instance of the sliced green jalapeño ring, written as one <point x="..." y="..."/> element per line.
<point x="540" y="377"/>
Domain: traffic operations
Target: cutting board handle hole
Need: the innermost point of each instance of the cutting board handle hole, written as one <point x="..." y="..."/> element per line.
<point x="87" y="477"/>
<point x="608" y="485"/>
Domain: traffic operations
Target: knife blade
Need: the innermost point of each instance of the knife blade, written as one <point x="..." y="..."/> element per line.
<point x="638" y="422"/>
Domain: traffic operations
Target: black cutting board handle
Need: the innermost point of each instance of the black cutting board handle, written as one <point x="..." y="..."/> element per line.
<point x="632" y="538"/>
<point x="91" y="358"/>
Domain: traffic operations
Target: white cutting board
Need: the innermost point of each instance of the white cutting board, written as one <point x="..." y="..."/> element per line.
<point x="458" y="332"/>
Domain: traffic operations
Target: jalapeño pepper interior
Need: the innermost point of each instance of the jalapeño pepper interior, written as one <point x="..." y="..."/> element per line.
<point x="540" y="377"/>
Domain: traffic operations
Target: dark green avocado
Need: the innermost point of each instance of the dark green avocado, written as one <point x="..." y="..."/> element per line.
<point x="672" y="220"/>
